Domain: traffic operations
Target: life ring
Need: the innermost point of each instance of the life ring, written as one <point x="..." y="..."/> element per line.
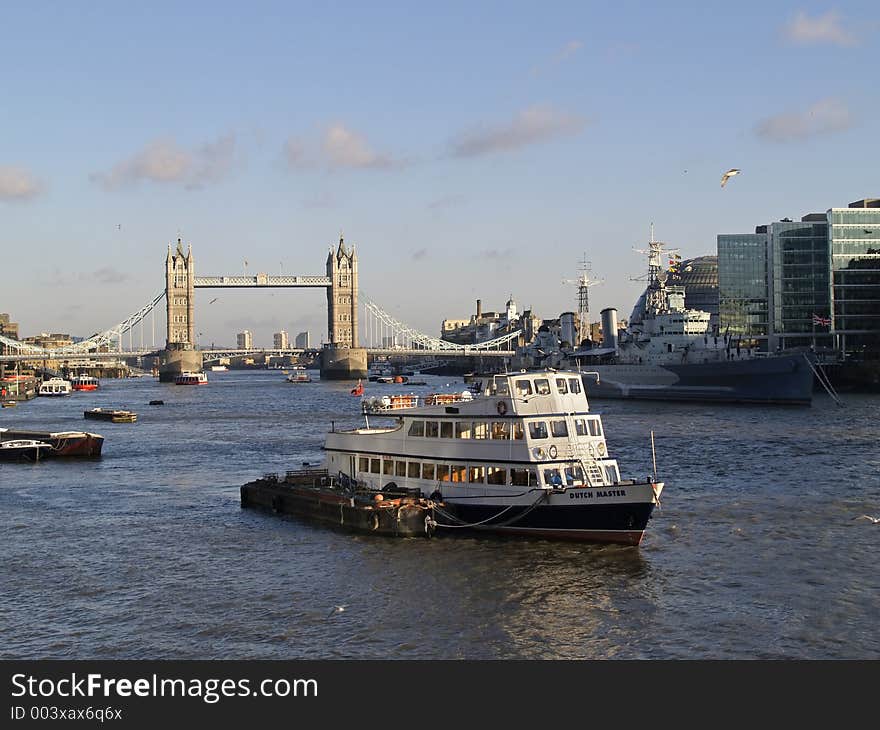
<point x="552" y="452"/>
<point x="539" y="452"/>
<point x="501" y="408"/>
<point x="600" y="448"/>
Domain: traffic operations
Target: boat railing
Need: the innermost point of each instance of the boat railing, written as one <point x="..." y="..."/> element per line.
<point x="385" y="403"/>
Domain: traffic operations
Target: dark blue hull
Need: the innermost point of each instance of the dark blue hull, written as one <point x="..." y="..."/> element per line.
<point x="786" y="379"/>
<point x="622" y="523"/>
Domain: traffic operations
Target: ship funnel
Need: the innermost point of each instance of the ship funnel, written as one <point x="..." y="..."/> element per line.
<point x="568" y="329"/>
<point x="609" y="327"/>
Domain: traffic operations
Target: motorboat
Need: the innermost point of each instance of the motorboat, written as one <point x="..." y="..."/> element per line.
<point x="191" y="378"/>
<point x="55" y="387"/>
<point x="523" y="457"/>
<point x="23" y="450"/>
<point x="299" y="375"/>
<point x="219" y="368"/>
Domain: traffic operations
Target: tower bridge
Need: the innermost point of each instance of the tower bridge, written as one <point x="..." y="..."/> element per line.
<point x="342" y="357"/>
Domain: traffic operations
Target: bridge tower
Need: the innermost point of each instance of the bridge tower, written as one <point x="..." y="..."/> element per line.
<point x="342" y="359"/>
<point x="180" y="352"/>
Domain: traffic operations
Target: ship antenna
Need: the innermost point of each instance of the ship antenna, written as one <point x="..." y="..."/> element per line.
<point x="654" y="456"/>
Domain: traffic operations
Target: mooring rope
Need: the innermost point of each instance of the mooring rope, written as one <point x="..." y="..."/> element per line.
<point x="462" y="524"/>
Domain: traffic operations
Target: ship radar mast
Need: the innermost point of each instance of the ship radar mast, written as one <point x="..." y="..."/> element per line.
<point x="654" y="295"/>
<point x="584" y="281"/>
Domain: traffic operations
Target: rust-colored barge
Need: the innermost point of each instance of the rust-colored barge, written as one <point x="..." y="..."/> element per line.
<point x="339" y="501"/>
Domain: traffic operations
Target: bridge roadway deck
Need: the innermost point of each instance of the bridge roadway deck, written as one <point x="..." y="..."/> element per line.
<point x="260" y="280"/>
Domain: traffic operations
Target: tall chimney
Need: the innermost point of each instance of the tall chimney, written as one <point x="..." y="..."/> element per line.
<point x="479" y="309"/>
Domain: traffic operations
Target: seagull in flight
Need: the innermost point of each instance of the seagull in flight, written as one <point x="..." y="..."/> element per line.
<point x="727" y="175"/>
<point x="336" y="609"/>
<point x="874" y="520"/>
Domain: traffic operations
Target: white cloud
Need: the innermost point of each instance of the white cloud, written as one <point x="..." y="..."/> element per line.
<point x="567" y="51"/>
<point x="345" y="148"/>
<point x="16" y="183"/>
<point x="531" y="126"/>
<point x="823" y="117"/>
<point x="164" y="161"/>
<point x="825" y="28"/>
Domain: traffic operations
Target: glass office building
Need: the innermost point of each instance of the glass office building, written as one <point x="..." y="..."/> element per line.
<point x="743" y="287"/>
<point x="773" y="282"/>
<point x="799" y="281"/>
<point x="854" y="238"/>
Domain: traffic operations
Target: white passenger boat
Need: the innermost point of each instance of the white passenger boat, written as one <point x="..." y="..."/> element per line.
<point x="299" y="375"/>
<point x="190" y="378"/>
<point x="522" y="457"/>
<point x="55" y="386"/>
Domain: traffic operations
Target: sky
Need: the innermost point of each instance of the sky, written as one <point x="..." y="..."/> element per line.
<point x="469" y="151"/>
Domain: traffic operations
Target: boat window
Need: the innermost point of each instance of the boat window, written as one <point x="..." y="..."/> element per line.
<point x="574" y="475"/>
<point x="561" y="386"/>
<point x="446" y="429"/>
<point x="501" y="430"/>
<point x="538" y="429"/>
<point x="580" y="427"/>
<point x="400" y="468"/>
<point x="364" y="463"/>
<point x="458" y="472"/>
<point x="414" y="469"/>
<point x="552" y="476"/>
<point x="463" y="429"/>
<point x="611" y="475"/>
<point x="559" y="428"/>
<point x="476" y="474"/>
<point x="427" y="471"/>
<point x="417" y="428"/>
<point x="496" y="475"/>
<point x="431" y="429"/>
<point x="518" y="430"/>
<point x="574" y="385"/>
<point x="388" y="467"/>
<point x="595" y="427"/>
<point x="481" y="430"/>
<point x="523" y="388"/>
<point x="374" y="466"/>
<point x="542" y="386"/>
<point x="442" y="473"/>
<point x="533" y="478"/>
<point x="501" y="387"/>
<point x="519" y="477"/>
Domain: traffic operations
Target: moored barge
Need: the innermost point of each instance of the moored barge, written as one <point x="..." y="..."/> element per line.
<point x="63" y="443"/>
<point x="340" y="501"/>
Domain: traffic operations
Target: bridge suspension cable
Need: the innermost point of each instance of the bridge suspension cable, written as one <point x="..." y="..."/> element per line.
<point x="96" y="341"/>
<point x="392" y="333"/>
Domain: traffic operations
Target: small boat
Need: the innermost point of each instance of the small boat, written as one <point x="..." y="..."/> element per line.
<point x="190" y="378"/>
<point x="63" y="443"/>
<point x="115" y="416"/>
<point x="300" y="375"/>
<point x="358" y="389"/>
<point x="8" y="404"/>
<point x="55" y="387"/>
<point x="157" y="402"/>
<point x="23" y="450"/>
<point x="84" y="382"/>
<point x="219" y="368"/>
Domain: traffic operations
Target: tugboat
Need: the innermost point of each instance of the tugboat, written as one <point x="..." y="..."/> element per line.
<point x="524" y="457"/>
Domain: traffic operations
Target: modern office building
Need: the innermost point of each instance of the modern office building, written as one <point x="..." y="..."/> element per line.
<point x="245" y="340"/>
<point x="775" y="283"/>
<point x="303" y="341"/>
<point x="281" y="340"/>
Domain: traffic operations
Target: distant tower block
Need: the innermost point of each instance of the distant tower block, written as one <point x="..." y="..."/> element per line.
<point x="180" y="301"/>
<point x="342" y="309"/>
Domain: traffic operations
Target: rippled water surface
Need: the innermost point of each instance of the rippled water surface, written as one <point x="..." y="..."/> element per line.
<point x="145" y="553"/>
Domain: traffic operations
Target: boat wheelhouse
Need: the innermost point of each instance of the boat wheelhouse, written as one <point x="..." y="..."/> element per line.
<point x="524" y="456"/>
<point x="54" y="387"/>
<point x="190" y="378"/>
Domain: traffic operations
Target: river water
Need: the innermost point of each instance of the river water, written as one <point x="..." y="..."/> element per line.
<point x="146" y="553"/>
